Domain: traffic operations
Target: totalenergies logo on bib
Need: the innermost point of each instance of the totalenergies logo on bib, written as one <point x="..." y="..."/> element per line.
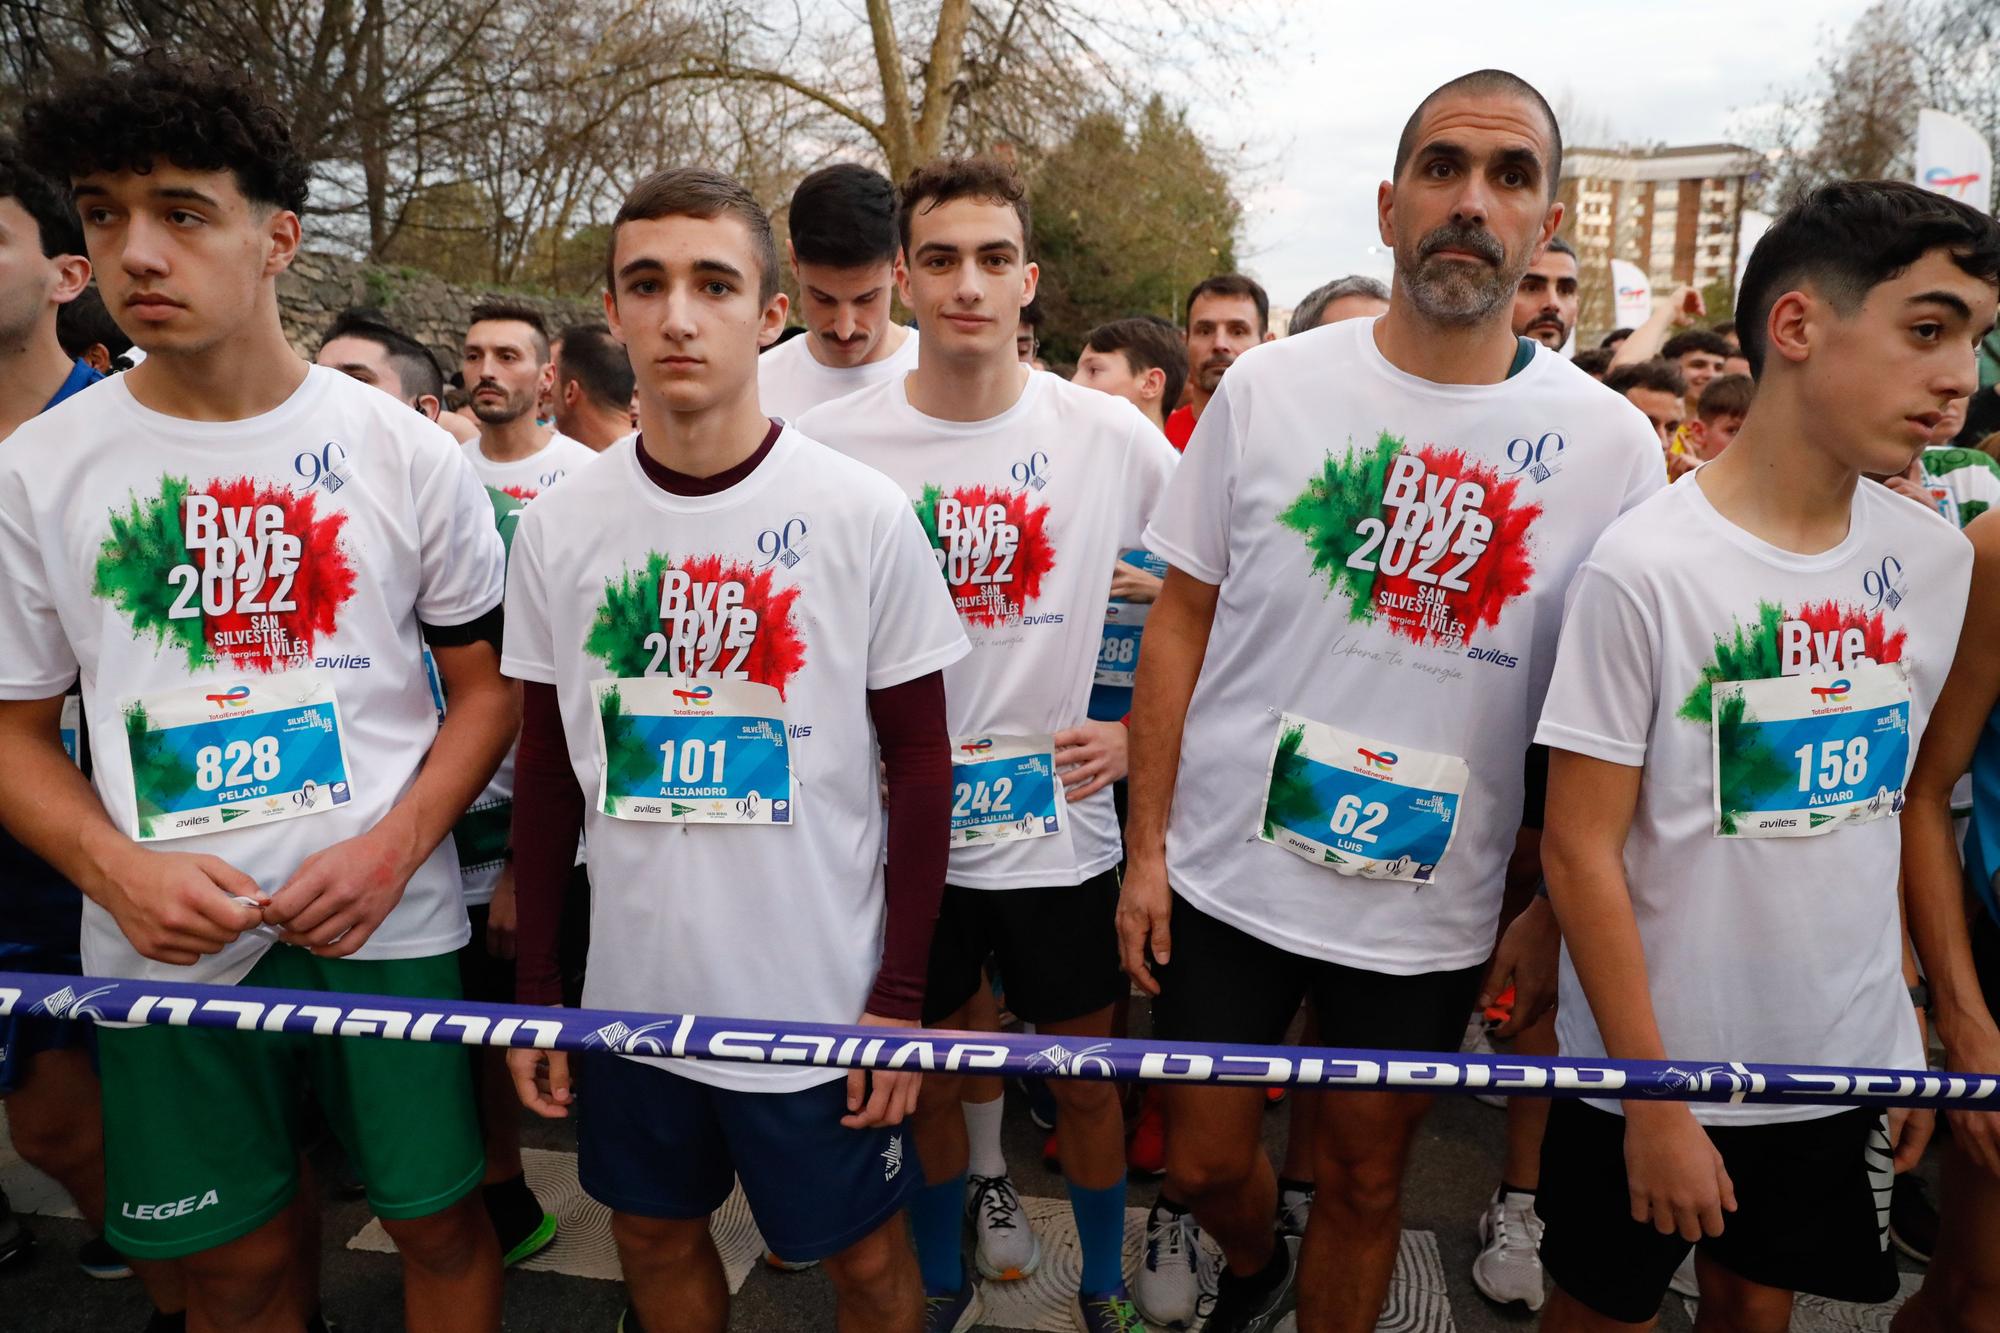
<point x="1381" y="763"/>
<point x="231" y="698"/>
<point x="1832" y="694"/>
<point x="979" y="746"/>
<point x="697" y="697"/>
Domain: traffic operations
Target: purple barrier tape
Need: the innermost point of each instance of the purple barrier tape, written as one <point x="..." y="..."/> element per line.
<point x="694" y="1037"/>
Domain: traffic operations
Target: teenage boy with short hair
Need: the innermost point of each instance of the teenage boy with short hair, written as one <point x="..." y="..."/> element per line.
<point x="240" y="553"/>
<point x="1029" y="486"/>
<point x="1142" y="360"/>
<point x="361" y="346"/>
<point x="763" y="612"/>
<point x="847" y="256"/>
<point x="1730" y="740"/>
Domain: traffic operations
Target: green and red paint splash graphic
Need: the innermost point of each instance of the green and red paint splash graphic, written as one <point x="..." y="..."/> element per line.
<point x="271" y="619"/>
<point x="993" y="546"/>
<point x="628" y="617"/>
<point x="1755" y="651"/>
<point x="1745" y="766"/>
<point x="1347" y="518"/>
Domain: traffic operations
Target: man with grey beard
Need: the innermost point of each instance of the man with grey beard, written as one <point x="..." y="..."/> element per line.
<point x="1368" y="543"/>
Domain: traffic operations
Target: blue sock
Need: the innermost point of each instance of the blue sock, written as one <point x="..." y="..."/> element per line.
<point x="936" y="1216"/>
<point x="1100" y="1230"/>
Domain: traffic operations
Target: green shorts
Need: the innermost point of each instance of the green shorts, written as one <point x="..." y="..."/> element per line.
<point x="202" y="1125"/>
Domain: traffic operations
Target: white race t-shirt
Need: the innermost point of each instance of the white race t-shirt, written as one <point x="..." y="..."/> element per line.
<point x="791" y="381"/>
<point x="481" y="833"/>
<point x="810" y="577"/>
<point x="1758" y="948"/>
<point x="1313" y="467"/>
<point x="347" y="518"/>
<point x="1074" y="474"/>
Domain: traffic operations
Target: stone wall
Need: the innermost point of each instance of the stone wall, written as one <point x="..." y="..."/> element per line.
<point x="319" y="286"/>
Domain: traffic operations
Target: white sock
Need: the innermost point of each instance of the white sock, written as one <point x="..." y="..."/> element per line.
<point x="982" y="1131"/>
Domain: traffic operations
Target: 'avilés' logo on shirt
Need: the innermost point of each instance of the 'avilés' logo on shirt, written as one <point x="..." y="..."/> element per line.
<point x="241" y="573"/>
<point x="1428" y="541"/>
<point x="993" y="546"/>
<point x="703" y="616"/>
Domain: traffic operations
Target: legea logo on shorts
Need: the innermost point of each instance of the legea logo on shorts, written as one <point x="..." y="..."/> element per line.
<point x="1381" y="763"/>
<point x="1834" y="693"/>
<point x="236" y="697"/>
<point x="977" y="747"/>
<point x="697" y="697"/>
<point x="172" y="1208"/>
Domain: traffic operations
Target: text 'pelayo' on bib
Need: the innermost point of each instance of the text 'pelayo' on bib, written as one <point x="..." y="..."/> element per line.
<point x="234" y="755"/>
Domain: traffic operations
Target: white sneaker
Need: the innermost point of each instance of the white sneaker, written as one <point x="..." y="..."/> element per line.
<point x="1684" y="1280"/>
<point x="1007" y="1247"/>
<point x="1167" y="1288"/>
<point x="1294" y="1210"/>
<point x="1509" y="1266"/>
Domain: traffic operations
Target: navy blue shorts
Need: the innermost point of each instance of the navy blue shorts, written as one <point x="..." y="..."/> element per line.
<point x="655" y="1144"/>
<point x="25" y="1036"/>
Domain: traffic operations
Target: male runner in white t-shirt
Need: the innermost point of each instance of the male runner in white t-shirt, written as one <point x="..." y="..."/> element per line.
<point x="1730" y="742"/>
<point x="1029" y="486"/>
<point x="1368" y="538"/>
<point x="719" y="625"/>
<point x="240" y="554"/>
<point x="848" y="257"/>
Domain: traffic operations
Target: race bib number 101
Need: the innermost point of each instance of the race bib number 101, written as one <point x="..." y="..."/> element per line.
<point x="682" y="750"/>
<point x="1358" y="806"/>
<point x="223" y="756"/>
<point x="1003" y="788"/>
<point x="1797" y="756"/>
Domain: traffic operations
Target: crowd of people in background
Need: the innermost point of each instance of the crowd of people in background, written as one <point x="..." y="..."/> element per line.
<point x="1410" y="681"/>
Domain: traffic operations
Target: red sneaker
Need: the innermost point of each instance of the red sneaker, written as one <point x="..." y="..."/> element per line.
<point x="1274" y="1096"/>
<point x="1052" y="1154"/>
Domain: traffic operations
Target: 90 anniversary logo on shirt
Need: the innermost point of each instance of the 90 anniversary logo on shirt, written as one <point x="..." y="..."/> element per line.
<point x="1427" y="541"/>
<point x="240" y="573"/>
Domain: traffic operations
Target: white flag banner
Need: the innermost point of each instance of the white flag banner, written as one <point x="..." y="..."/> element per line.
<point x="1750" y="228"/>
<point x="1953" y="159"/>
<point x="1632" y="294"/>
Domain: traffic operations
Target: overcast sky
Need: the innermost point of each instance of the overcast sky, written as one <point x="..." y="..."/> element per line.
<point x="1321" y="131"/>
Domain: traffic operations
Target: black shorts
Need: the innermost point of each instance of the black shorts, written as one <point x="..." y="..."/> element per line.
<point x="1225" y="984"/>
<point x="481" y="976"/>
<point x="1056" y="949"/>
<point x="1812" y="1211"/>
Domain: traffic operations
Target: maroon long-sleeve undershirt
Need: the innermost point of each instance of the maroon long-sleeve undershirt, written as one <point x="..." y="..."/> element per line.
<point x="910" y="729"/>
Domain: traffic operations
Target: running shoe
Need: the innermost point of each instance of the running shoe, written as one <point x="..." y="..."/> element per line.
<point x="1913" y="1219"/>
<point x="16" y="1241"/>
<point x="1041" y="1102"/>
<point x="1146" y="1150"/>
<point x="1274" y="1097"/>
<point x="1006" y="1247"/>
<point x="1167" y="1287"/>
<point x="1052" y="1153"/>
<point x="1294" y="1210"/>
<point x="1111" y="1312"/>
<point x="96" y="1257"/>
<point x="628" y="1322"/>
<point x="523" y="1226"/>
<point x="952" y="1311"/>
<point x="1237" y="1311"/>
<point x="1508" y="1270"/>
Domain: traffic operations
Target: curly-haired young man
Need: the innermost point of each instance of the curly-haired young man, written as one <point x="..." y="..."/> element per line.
<point x="239" y="553"/>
